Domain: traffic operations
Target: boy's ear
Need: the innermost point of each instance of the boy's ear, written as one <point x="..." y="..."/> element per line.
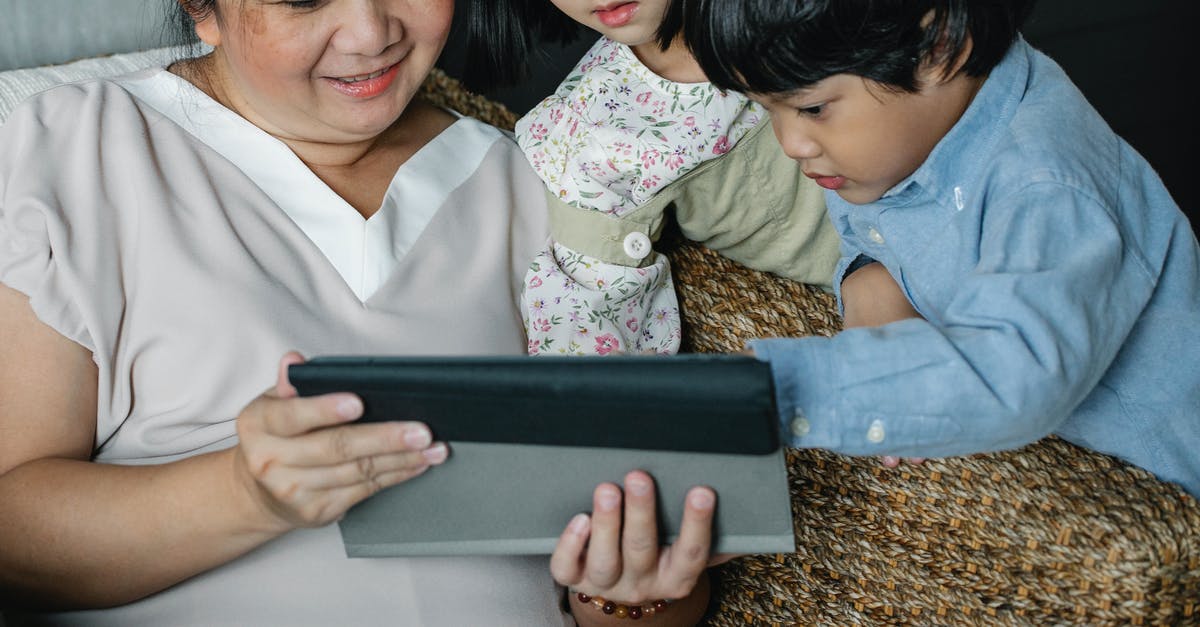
<point x="207" y="28"/>
<point x="937" y="67"/>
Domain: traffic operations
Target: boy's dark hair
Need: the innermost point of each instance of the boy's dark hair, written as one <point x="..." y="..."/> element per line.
<point x="502" y="34"/>
<point x="779" y="46"/>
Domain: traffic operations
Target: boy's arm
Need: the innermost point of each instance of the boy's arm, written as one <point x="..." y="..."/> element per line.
<point x="1018" y="342"/>
<point x="871" y="298"/>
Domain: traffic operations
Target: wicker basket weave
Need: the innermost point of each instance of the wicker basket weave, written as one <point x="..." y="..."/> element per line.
<point x="1049" y="534"/>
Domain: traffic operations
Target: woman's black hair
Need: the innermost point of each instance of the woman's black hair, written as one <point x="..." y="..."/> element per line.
<point x="779" y="46"/>
<point x="501" y="35"/>
<point x="180" y="29"/>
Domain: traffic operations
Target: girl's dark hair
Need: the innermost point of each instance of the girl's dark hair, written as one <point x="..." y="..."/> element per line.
<point x="779" y="46"/>
<point x="501" y="35"/>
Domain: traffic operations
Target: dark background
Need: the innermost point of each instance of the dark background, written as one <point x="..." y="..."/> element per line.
<point x="1135" y="60"/>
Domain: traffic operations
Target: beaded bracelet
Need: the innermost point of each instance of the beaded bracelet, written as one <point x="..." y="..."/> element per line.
<point x="621" y="610"/>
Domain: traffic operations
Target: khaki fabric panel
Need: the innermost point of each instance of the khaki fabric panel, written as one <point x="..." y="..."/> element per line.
<point x="760" y="210"/>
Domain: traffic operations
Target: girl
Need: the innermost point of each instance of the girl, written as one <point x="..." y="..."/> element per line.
<point x="1056" y="277"/>
<point x="634" y="129"/>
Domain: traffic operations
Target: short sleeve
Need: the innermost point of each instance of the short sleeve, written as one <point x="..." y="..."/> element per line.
<point x="34" y="235"/>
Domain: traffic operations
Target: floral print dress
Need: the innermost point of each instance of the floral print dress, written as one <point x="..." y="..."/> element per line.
<point x="611" y="137"/>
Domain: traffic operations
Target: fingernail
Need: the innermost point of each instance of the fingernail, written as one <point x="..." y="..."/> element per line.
<point x="578" y="524"/>
<point x="350" y="407"/>
<point x="701" y="499"/>
<point x="637" y="487"/>
<point x="608" y="499"/>
<point x="435" y="454"/>
<point x="418" y="437"/>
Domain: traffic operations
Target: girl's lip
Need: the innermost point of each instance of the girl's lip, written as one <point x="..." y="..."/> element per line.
<point x="376" y="83"/>
<point x="616" y="14"/>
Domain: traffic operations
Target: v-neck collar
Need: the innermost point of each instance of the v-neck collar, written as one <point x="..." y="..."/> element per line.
<point x="364" y="252"/>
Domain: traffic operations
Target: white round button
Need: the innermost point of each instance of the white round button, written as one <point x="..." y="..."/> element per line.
<point x="875" y="236"/>
<point x="637" y="245"/>
<point x="800" y="426"/>
<point x="875" y="433"/>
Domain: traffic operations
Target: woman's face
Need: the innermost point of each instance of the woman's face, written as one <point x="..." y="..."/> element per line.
<point x="631" y="23"/>
<point x="325" y="70"/>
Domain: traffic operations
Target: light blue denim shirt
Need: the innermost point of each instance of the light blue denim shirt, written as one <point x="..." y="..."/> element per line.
<point x="1060" y="286"/>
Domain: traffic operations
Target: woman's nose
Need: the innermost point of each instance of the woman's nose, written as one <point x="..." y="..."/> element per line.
<point x="366" y="28"/>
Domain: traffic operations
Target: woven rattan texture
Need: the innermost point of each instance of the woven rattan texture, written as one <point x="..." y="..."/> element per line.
<point x="1050" y="534"/>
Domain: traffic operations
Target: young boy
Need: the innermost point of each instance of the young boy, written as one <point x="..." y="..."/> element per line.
<point x="1058" y="283"/>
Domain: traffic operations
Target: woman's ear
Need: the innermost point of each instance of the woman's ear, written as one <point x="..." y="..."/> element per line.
<point x="207" y="28"/>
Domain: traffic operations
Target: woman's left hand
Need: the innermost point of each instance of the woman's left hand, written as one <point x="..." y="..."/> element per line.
<point x="615" y="553"/>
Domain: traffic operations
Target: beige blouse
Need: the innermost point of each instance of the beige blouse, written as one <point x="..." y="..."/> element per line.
<point x="188" y="251"/>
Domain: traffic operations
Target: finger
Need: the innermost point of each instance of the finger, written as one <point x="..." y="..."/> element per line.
<point x="566" y="562"/>
<point x="283" y="386"/>
<point x="287" y="417"/>
<point x="368" y="469"/>
<point x="325" y="506"/>
<point x="330" y="447"/>
<point x="916" y="461"/>
<point x="890" y="461"/>
<point x="687" y="558"/>
<point x="639" y="543"/>
<point x="604" y="546"/>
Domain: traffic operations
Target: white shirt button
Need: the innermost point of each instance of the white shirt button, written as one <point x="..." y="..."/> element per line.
<point x="800" y="426"/>
<point x="875" y="433"/>
<point x="637" y="245"/>
<point x="875" y="236"/>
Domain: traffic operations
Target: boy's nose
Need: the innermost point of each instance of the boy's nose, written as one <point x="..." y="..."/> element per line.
<point x="795" y="143"/>
<point x="799" y="147"/>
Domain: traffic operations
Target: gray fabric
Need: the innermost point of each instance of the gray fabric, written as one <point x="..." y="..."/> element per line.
<point x="42" y="32"/>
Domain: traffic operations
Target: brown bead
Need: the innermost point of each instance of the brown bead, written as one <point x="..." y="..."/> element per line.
<point x="660" y="605"/>
<point x="583" y="598"/>
<point x="598" y="602"/>
<point x="622" y="611"/>
<point x="609" y="607"/>
<point x="635" y="612"/>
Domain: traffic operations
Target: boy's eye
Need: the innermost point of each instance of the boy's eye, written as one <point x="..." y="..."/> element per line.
<point x="300" y="4"/>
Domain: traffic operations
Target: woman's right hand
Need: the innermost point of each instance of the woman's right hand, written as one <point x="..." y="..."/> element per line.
<point x="300" y="461"/>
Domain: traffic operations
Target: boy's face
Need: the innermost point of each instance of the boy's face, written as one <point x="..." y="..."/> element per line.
<point x="859" y="139"/>
<point x="631" y="23"/>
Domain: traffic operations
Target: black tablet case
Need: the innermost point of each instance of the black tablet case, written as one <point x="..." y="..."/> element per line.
<point x="530" y="437"/>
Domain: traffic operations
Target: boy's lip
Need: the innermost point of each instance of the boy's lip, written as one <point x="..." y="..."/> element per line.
<point x="827" y="181"/>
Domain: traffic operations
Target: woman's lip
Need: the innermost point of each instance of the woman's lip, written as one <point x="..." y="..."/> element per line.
<point x="616" y="14"/>
<point x="367" y="88"/>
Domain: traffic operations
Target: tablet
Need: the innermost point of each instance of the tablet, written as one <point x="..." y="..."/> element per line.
<point x="531" y="437"/>
<point x="701" y="403"/>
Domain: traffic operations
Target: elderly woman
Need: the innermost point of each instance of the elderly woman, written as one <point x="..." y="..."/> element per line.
<point x="167" y="236"/>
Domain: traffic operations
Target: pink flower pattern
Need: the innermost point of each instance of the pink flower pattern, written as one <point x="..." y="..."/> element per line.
<point x="608" y="140"/>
